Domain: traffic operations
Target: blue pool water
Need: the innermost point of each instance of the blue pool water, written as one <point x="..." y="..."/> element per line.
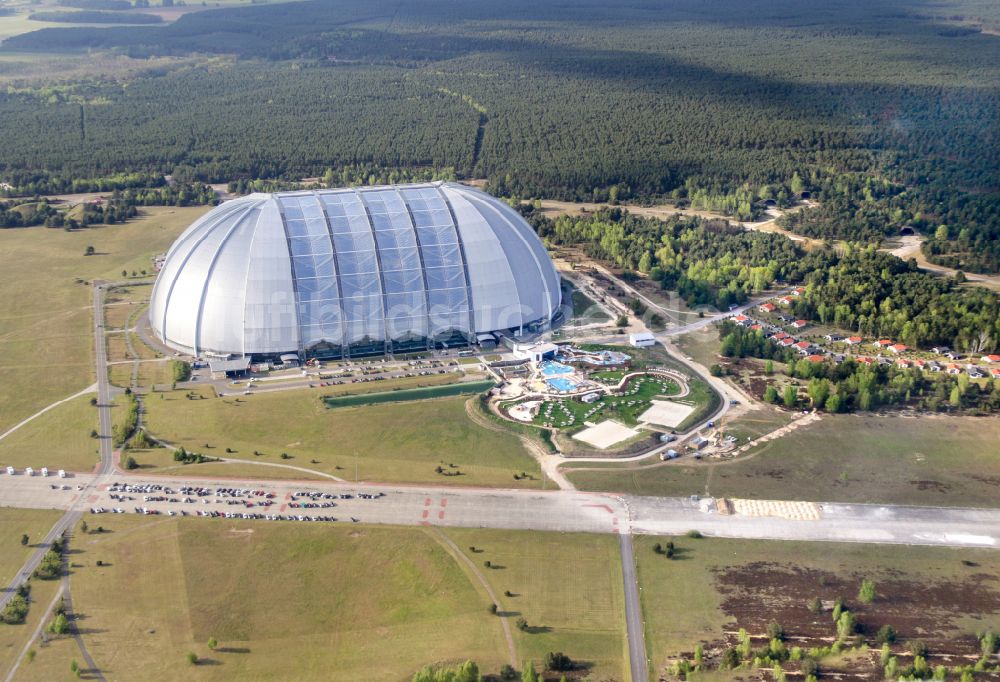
<point x="550" y="368"/>
<point x="561" y="384"/>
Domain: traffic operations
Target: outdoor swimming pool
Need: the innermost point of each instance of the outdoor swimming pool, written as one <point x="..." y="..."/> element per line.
<point x="561" y="384"/>
<point x="550" y="368"/>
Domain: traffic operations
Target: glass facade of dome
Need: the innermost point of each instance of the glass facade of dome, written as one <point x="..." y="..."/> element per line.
<point x="352" y="271"/>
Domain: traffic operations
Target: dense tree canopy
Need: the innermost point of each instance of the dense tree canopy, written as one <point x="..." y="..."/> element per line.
<point x="653" y="99"/>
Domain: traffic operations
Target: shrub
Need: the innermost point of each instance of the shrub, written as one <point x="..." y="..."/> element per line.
<point x="775" y="631"/>
<point x="694" y="534"/>
<point x="522" y="624"/>
<point x="192" y="658"/>
<point x="810" y="666"/>
<point x="558" y="661"/>
<point x="59" y="625"/>
<point x="212" y="643"/>
<point x="130" y="463"/>
<point x="886" y="634"/>
<point x="866" y="595"/>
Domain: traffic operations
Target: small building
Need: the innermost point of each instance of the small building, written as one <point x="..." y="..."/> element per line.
<point x="952" y="368"/>
<point x="883" y="343"/>
<point x="767" y="307"/>
<point x="742" y="320"/>
<point x="940" y="350"/>
<point x="799" y="324"/>
<point x="989" y="359"/>
<point x="535" y="352"/>
<point x="995" y="372"/>
<point x="642" y="339"/>
<point x="815" y="358"/>
<point x="785" y="301"/>
<point x="289" y="359"/>
<point x="865" y="361"/>
<point x="230" y="367"/>
<point x="786" y="342"/>
<point x="781" y="336"/>
<point x="898" y="348"/>
<point x="853" y="340"/>
<point x="902" y="363"/>
<point x="486" y="341"/>
<point x="798" y="291"/>
<point x="590" y="397"/>
<point x="698" y="443"/>
<point x="802" y="346"/>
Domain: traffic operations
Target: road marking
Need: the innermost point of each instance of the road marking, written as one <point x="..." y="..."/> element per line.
<point x="441" y="514"/>
<point x="444" y="503"/>
<point x="427" y="502"/>
<point x="605" y="507"/>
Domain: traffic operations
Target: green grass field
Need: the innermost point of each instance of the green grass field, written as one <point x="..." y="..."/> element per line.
<point x="682" y="605"/>
<point x="45" y="317"/>
<point x="566" y="586"/>
<point x="58" y="439"/>
<point x="392" y="442"/>
<point x="285" y="601"/>
<point x="949" y="461"/>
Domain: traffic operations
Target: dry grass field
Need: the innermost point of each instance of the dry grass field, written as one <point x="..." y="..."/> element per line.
<point x="45" y="316"/>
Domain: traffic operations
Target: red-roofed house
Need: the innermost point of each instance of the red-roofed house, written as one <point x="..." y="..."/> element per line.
<point x="756" y="327"/>
<point x="785" y="300"/>
<point x="853" y="340"/>
<point x="990" y="358"/>
<point x="786" y="342"/>
<point x="798" y="291"/>
<point x="781" y="336"/>
<point x="802" y="346"/>
<point x="883" y="343"/>
<point x="767" y="307"/>
<point x="953" y="368"/>
<point x="898" y="348"/>
<point x="799" y="324"/>
<point x="741" y="320"/>
<point x="815" y="358"/>
<point x="902" y="362"/>
<point x="865" y="361"/>
<point x="995" y="372"/>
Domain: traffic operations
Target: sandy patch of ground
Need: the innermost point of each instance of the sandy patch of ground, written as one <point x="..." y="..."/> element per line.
<point x="605" y="434"/>
<point x="666" y="413"/>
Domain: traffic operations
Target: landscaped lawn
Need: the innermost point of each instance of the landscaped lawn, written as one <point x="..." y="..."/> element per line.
<point x="389" y="442"/>
<point x="951" y="461"/>
<point x="567" y="586"/>
<point x="625" y="408"/>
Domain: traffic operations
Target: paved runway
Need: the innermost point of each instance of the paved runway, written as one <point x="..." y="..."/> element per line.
<point x="567" y="511"/>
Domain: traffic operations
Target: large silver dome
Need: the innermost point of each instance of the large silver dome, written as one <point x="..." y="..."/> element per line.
<point x="363" y="270"/>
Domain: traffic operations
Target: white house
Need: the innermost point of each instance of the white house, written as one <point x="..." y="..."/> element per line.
<point x="642" y="339"/>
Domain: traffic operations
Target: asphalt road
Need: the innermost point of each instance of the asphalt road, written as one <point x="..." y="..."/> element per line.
<point x="638" y="663"/>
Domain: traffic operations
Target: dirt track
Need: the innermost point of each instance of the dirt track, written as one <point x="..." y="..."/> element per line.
<point x="909" y="247"/>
